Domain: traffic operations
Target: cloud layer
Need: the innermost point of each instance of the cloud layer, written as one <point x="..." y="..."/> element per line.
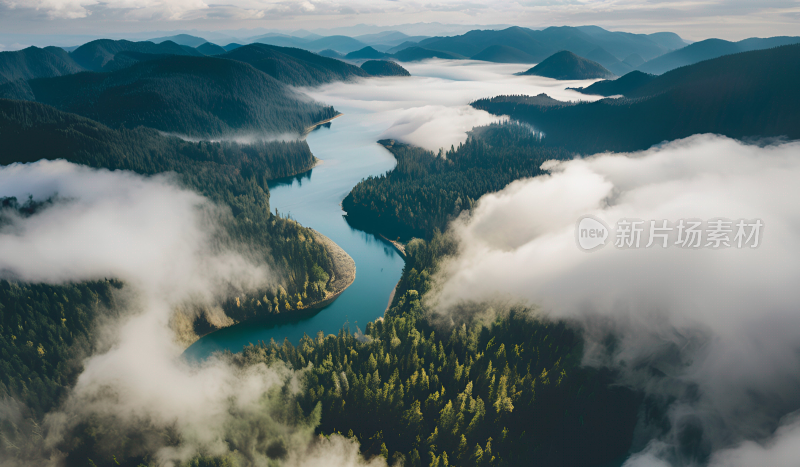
<point x="721" y="328"/>
<point x="695" y="20"/>
<point x="430" y="109"/>
<point x="167" y="245"/>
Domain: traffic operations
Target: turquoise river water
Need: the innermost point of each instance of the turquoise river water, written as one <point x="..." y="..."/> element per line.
<point x="350" y="152"/>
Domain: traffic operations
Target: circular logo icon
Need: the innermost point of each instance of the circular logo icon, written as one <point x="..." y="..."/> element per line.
<point x="591" y="233"/>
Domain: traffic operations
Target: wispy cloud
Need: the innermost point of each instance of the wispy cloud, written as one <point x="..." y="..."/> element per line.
<point x="696" y="19"/>
<point x="430" y="109"/>
<point x="712" y="333"/>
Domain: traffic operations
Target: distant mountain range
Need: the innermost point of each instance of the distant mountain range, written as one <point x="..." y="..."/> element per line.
<point x="708" y="49"/>
<point x="566" y="65"/>
<point x="208" y="48"/>
<point x="97" y="55"/>
<point x="413" y="54"/>
<point x="366" y="53"/>
<point x="33" y="131"/>
<point x="330" y="53"/>
<point x="181" y="39"/>
<point x="341" y="44"/>
<point x="290" y="65"/>
<point x="540" y="44"/>
<point x="194" y="96"/>
<point x="749" y="94"/>
<point x="503" y="54"/>
<point x="293" y="66"/>
<point x="617" y="52"/>
<point x="34" y="62"/>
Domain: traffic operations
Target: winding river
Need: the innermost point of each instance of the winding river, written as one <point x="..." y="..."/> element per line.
<point x="429" y="109"/>
<point x="349" y="153"/>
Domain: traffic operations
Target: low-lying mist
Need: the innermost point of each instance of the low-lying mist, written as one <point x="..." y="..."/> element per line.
<point x="166" y="245"/>
<point x="241" y="138"/>
<point x="711" y="335"/>
<point x="430" y="108"/>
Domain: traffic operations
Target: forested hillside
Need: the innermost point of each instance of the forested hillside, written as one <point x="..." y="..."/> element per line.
<point x="708" y="49"/>
<point x="384" y="68"/>
<point x="415" y="54"/>
<point x="567" y="65"/>
<point x="210" y="49"/>
<point x="44" y="331"/>
<point x="34" y="62"/>
<point x="425" y="190"/>
<point x="503" y="54"/>
<point x="623" y="85"/>
<point x="540" y="44"/>
<point x="365" y="53"/>
<point x="96" y="55"/>
<point x="751" y="94"/>
<point x="342" y="44"/>
<point x="195" y="96"/>
<point x="229" y="173"/>
<point x="293" y="66"/>
<point x="505" y="393"/>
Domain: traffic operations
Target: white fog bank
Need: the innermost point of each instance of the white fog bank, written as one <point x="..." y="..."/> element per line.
<point x="167" y="245"/>
<point x="430" y="108"/>
<point x="720" y="327"/>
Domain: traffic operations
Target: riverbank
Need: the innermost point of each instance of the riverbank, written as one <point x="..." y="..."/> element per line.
<point x="344" y="270"/>
<point x="319" y="124"/>
<point x="397" y="245"/>
<point x="349" y="153"/>
<point x="190" y="326"/>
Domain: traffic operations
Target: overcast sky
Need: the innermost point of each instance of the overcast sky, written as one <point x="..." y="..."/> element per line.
<point x="694" y="20"/>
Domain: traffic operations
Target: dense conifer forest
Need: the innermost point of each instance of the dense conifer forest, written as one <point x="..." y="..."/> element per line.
<point x="477" y="385"/>
<point x="193" y="96"/>
<point x="502" y="390"/>
<point x="293" y="66"/>
<point x="426" y="190"/>
<point x="233" y="174"/>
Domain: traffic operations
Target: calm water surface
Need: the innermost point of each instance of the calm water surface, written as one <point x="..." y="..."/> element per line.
<point x="349" y="152"/>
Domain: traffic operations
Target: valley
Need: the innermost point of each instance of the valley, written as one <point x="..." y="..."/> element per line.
<point x="359" y="247"/>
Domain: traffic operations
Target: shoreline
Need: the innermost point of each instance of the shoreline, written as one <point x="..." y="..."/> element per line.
<point x="344" y="270"/>
<point x="318" y="124"/>
<point x="343" y="276"/>
<point x="397" y="245"/>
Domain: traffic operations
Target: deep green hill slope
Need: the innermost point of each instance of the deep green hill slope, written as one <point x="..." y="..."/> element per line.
<point x="384" y="68"/>
<point x="415" y="54"/>
<point x="34" y="62"/>
<point x="708" y="49"/>
<point x="542" y="43"/>
<point x="503" y="54"/>
<point x="623" y="85"/>
<point x="608" y="61"/>
<point x="181" y="39"/>
<point x="195" y="96"/>
<point x="231" y="174"/>
<point x="367" y="52"/>
<point x="96" y="54"/>
<point x="567" y="65"/>
<point x="210" y="49"/>
<point x="294" y="66"/>
<point x="746" y="95"/>
<point x="330" y="53"/>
